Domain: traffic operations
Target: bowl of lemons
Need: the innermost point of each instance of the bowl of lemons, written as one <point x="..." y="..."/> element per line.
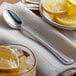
<point x="59" y="13"/>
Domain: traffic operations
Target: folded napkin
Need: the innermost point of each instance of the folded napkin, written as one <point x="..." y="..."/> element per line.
<point x="47" y="64"/>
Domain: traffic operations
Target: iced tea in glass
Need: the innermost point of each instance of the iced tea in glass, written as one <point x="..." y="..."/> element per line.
<point x="26" y="65"/>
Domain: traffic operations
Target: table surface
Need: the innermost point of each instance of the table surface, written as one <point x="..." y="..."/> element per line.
<point x="9" y="1"/>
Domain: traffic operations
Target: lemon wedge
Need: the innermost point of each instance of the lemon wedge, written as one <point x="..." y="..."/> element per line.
<point x="67" y="20"/>
<point x="72" y="2"/>
<point x="54" y="6"/>
<point x="8" y="59"/>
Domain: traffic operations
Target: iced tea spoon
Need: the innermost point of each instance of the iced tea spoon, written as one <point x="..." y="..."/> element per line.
<point x="15" y="22"/>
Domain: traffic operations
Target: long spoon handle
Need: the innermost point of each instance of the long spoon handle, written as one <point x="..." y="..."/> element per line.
<point x="63" y="58"/>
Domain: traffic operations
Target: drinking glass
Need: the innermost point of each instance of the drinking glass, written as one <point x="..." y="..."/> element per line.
<point x="27" y="62"/>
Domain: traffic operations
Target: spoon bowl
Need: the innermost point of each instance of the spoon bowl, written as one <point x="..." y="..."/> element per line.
<point x="12" y="19"/>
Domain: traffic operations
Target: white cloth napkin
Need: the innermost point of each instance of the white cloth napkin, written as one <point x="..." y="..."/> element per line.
<point x="47" y="64"/>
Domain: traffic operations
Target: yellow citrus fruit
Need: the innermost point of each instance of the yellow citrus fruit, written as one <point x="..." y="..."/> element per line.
<point x="51" y="16"/>
<point x="72" y="2"/>
<point x="54" y="6"/>
<point x="8" y="59"/>
<point x="66" y="19"/>
<point x="71" y="10"/>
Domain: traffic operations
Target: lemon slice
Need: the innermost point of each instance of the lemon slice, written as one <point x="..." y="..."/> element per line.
<point x="71" y="9"/>
<point x="67" y="20"/>
<point x="73" y="2"/>
<point x="48" y="15"/>
<point x="54" y="6"/>
<point x="8" y="59"/>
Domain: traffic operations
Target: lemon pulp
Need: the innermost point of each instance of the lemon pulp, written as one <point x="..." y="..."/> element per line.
<point x="68" y="20"/>
<point x="8" y="59"/>
<point x="73" y="2"/>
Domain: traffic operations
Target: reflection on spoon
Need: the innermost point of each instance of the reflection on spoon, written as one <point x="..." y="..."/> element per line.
<point x="15" y="22"/>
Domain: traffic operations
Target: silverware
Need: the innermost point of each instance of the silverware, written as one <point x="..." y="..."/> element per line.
<point x="15" y="22"/>
<point x="34" y="4"/>
<point x="31" y="2"/>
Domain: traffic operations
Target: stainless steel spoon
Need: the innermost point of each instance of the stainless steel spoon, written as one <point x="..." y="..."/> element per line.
<point x="30" y="2"/>
<point x="15" y="22"/>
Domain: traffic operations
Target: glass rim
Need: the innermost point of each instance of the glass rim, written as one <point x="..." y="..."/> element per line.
<point x="35" y="62"/>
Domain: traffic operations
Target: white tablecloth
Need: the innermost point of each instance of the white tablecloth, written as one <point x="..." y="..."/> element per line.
<point x="47" y="64"/>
